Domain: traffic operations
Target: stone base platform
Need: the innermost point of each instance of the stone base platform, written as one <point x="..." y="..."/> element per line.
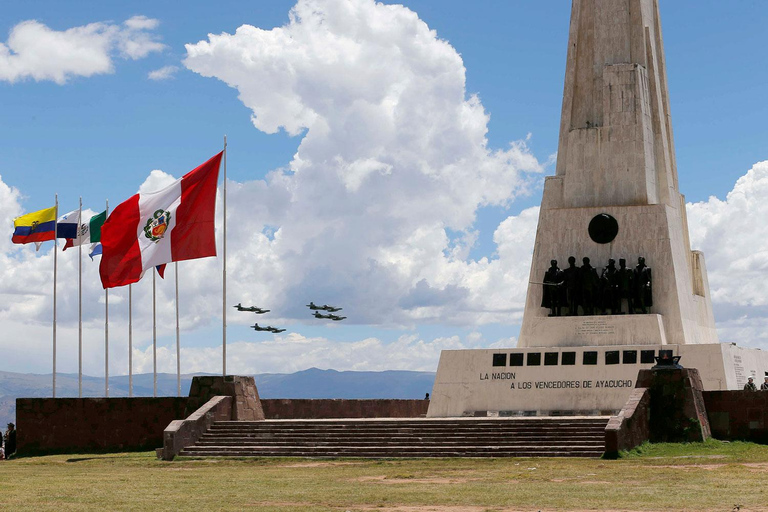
<point x="563" y="381"/>
<point x="600" y="330"/>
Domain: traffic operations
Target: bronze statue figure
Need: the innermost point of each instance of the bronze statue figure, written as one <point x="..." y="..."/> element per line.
<point x="609" y="281"/>
<point x="589" y="284"/>
<point x="551" y="298"/>
<point x="571" y="287"/>
<point x="624" y="288"/>
<point x="642" y="286"/>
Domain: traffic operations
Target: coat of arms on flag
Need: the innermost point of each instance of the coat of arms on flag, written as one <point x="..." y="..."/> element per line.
<point x="157" y="225"/>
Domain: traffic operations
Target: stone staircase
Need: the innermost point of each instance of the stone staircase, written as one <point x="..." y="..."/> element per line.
<point x="381" y="438"/>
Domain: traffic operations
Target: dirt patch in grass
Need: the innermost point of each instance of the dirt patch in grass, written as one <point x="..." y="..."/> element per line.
<point x="448" y="508"/>
<point x="383" y="479"/>
<point x="689" y="466"/>
<point x="318" y="464"/>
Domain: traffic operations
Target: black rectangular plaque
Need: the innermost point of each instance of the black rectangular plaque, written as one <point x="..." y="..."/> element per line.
<point x="534" y="359"/>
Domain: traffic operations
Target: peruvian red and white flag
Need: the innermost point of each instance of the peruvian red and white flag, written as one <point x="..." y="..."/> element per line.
<point x="172" y="224"/>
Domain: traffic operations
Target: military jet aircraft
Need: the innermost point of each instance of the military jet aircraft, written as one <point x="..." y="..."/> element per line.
<point x="252" y="309"/>
<point x="318" y="315"/>
<point x="259" y="328"/>
<point x="336" y="318"/>
<point x="277" y="330"/>
<point x="324" y="307"/>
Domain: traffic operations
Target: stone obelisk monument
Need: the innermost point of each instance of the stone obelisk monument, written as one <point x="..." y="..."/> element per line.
<point x="614" y="199"/>
<point x="616" y="159"/>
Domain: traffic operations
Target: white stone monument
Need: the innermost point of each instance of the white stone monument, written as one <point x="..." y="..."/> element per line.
<point x="614" y="196"/>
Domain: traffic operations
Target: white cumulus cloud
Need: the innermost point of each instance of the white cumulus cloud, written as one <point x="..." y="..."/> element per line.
<point x="36" y="51"/>
<point x="164" y="73"/>
<point x="733" y="235"/>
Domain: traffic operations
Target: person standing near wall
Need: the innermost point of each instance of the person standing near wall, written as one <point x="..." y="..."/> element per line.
<point x="750" y="385"/>
<point x="10" y="440"/>
<point x="764" y="385"/>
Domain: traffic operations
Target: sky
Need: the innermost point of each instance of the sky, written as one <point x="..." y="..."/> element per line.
<point x="384" y="158"/>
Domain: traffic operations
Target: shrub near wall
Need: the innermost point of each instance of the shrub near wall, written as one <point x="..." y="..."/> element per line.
<point x="76" y="425"/>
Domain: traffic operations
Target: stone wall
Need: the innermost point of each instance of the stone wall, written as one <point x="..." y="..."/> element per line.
<point x="341" y="408"/>
<point x="83" y="425"/>
<point x="738" y="415"/>
<point x="631" y="427"/>
<point x="78" y="425"/>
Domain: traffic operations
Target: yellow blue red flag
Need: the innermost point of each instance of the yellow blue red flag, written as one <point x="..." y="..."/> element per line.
<point x="37" y="226"/>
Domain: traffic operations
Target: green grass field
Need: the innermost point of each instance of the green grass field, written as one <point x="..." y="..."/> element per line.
<point x="696" y="477"/>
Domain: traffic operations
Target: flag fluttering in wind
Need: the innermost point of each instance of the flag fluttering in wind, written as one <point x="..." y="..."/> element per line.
<point x="68" y="225"/>
<point x="88" y="232"/>
<point x="38" y="226"/>
<point x="172" y="224"/>
<point x="95" y="251"/>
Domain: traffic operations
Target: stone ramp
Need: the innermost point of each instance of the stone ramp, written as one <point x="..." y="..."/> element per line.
<point x="382" y="438"/>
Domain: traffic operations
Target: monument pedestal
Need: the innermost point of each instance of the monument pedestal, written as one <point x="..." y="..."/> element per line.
<point x="601" y="330"/>
<point x="560" y="381"/>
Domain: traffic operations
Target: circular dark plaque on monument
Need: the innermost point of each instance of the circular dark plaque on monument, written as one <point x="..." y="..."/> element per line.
<point x="603" y="229"/>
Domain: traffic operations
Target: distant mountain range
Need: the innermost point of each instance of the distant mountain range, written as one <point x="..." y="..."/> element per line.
<point x="312" y="383"/>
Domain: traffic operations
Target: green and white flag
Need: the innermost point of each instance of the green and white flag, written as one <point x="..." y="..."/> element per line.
<point x="89" y="231"/>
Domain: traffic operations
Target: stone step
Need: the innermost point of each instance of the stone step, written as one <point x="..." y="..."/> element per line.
<point x="419" y="423"/>
<point x="394" y="442"/>
<point x="409" y="453"/>
<point x="422" y="428"/>
<point x="415" y="438"/>
<point x="404" y="438"/>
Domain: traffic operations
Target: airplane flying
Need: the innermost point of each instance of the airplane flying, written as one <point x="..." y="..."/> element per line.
<point x="324" y="307"/>
<point x="252" y="309"/>
<point x="318" y="315"/>
<point x="277" y="330"/>
<point x="259" y="328"/>
<point x="336" y="318"/>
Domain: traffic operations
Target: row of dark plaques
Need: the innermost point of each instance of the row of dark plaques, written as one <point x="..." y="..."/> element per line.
<point x="589" y="358"/>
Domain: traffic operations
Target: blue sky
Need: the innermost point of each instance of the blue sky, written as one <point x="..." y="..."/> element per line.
<point x="99" y="137"/>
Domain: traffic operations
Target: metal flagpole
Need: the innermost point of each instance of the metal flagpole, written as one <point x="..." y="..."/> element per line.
<point x="154" y="334"/>
<point x="178" y="343"/>
<point x="106" y="333"/>
<point x="224" y="274"/>
<point x="80" y="305"/>
<point x="130" y="341"/>
<point x="55" y="264"/>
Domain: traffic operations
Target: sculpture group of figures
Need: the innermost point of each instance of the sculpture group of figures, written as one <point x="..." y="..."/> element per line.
<point x="582" y="287"/>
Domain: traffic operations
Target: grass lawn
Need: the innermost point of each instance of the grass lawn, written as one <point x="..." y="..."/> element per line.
<point x="695" y="477"/>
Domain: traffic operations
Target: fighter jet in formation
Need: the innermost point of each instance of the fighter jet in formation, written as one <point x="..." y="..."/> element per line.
<point x="329" y="317"/>
<point x="324" y="307"/>
<point x="252" y="309"/>
<point x="267" y="328"/>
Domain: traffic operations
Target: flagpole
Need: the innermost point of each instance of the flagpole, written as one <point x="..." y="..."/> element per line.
<point x="130" y="341"/>
<point x="80" y="305"/>
<point x="178" y="343"/>
<point x="154" y="335"/>
<point x="55" y="265"/>
<point x="106" y="334"/>
<point x="224" y="274"/>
